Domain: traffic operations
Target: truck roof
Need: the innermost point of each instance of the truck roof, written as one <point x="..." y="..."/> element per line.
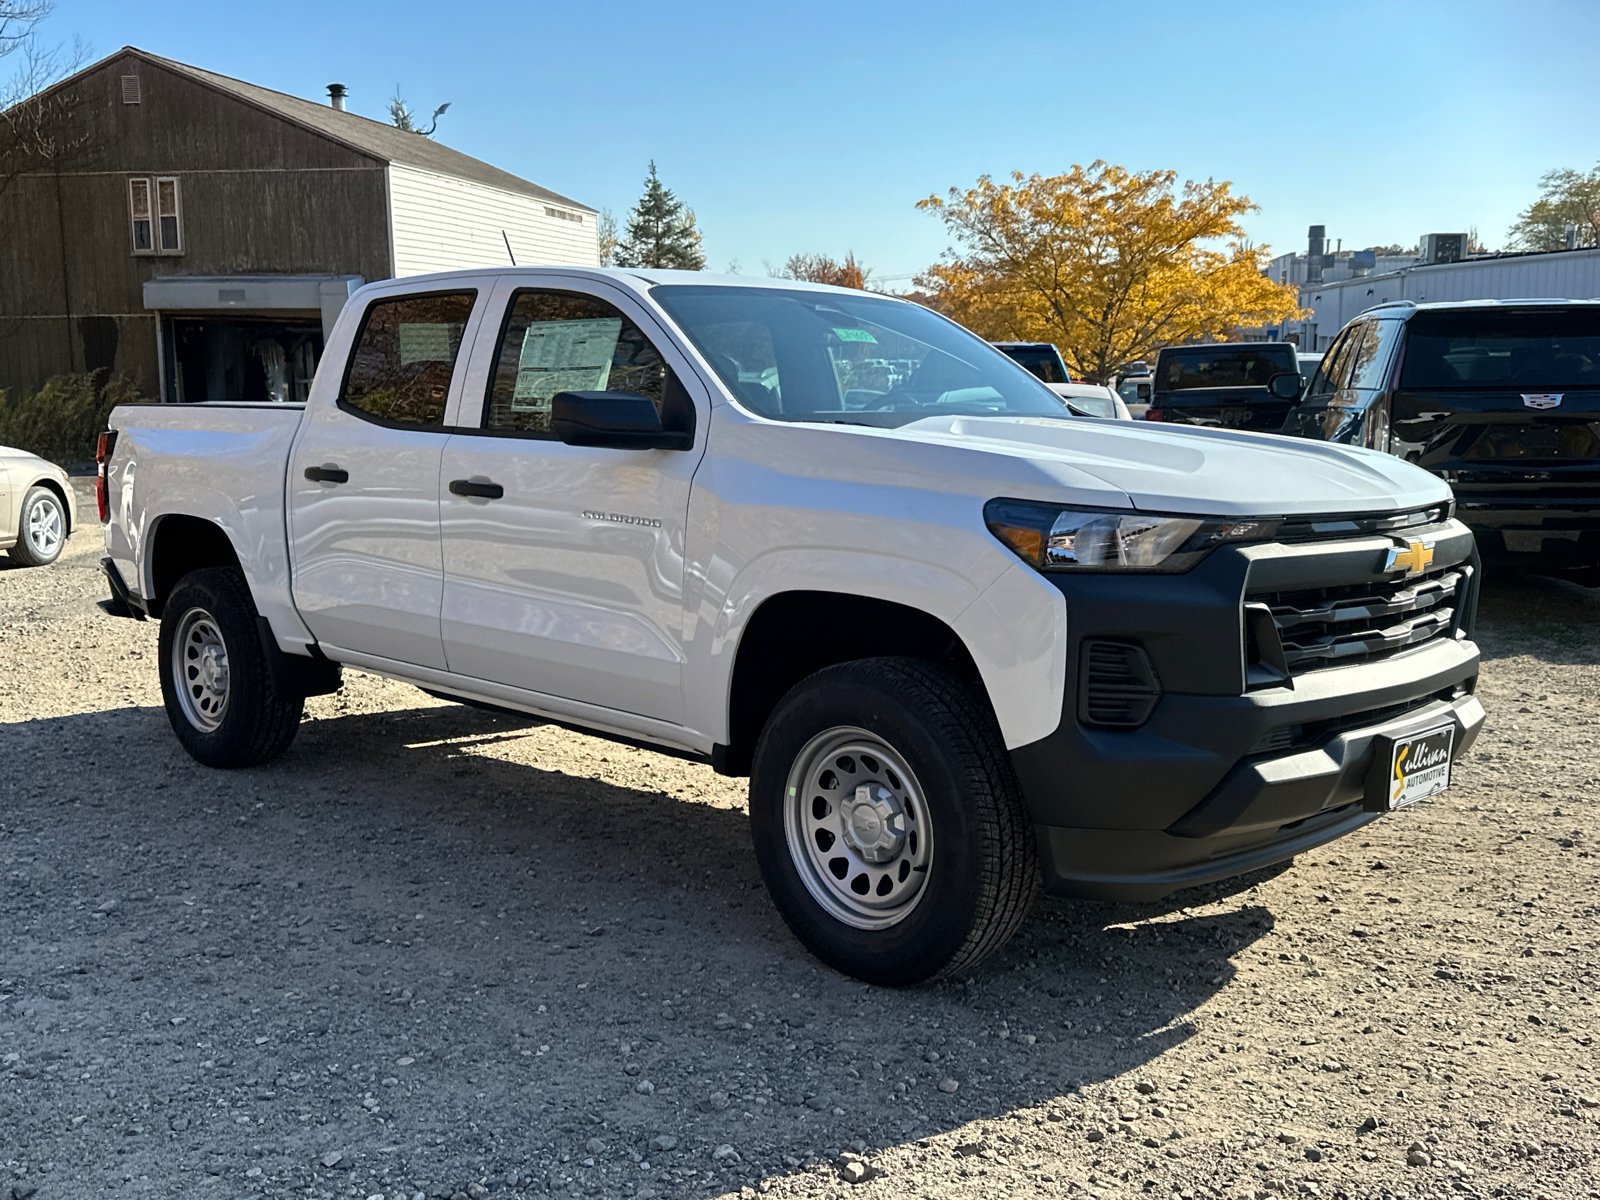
<point x="638" y="279"/>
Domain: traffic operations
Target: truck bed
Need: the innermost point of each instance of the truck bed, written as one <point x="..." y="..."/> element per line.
<point x="224" y="460"/>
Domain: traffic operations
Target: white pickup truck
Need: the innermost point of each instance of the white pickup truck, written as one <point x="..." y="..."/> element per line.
<point x="960" y="640"/>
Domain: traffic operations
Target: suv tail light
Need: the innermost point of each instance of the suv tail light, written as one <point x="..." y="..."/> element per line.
<point x="104" y="445"/>
<point x="1153" y="414"/>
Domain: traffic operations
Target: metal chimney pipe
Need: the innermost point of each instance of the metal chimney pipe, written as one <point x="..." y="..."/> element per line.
<point x="1316" y="242"/>
<point x="336" y="95"/>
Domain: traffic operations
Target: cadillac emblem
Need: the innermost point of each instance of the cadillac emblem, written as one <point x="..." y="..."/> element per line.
<point x="1542" y="399"/>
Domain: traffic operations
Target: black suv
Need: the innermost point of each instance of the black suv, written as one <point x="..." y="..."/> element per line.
<point x="1241" y="385"/>
<point x="1501" y="398"/>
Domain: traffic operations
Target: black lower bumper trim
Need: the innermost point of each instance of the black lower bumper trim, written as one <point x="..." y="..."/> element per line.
<point x="1139" y="865"/>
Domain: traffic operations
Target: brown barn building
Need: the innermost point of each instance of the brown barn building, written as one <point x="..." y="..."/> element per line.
<point x="203" y="233"/>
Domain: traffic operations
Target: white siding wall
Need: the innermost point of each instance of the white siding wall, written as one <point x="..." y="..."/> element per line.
<point x="440" y="223"/>
<point x="1571" y="275"/>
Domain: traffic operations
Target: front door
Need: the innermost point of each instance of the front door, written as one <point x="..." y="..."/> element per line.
<point x="563" y="565"/>
<point x="364" y="484"/>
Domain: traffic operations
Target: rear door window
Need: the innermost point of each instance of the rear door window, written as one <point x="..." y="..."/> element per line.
<point x="1370" y="352"/>
<point x="405" y="357"/>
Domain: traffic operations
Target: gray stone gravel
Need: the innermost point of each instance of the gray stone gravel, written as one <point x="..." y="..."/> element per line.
<point x="438" y="952"/>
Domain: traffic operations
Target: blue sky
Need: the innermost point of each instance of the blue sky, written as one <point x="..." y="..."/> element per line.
<point x="817" y="126"/>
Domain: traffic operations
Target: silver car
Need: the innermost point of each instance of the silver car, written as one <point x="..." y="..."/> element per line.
<point x="37" y="510"/>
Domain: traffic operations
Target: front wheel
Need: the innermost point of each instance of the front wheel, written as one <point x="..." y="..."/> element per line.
<point x="888" y="823"/>
<point x="215" y="681"/>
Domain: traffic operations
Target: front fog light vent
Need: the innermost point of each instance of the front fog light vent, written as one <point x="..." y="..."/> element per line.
<point x="1117" y="685"/>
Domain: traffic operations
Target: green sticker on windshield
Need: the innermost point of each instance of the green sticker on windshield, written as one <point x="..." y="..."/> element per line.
<point x="855" y="335"/>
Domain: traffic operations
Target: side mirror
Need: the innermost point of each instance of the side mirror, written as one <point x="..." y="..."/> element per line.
<point x="1286" y="385"/>
<point x="615" y="420"/>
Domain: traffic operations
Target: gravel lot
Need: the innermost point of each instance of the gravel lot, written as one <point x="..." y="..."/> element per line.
<point x="438" y="951"/>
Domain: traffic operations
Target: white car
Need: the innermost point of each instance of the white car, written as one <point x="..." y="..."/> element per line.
<point x="960" y="640"/>
<point x="37" y="509"/>
<point x="1091" y="400"/>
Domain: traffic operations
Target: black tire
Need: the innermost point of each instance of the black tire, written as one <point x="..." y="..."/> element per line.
<point x="252" y="723"/>
<point x="41" y="550"/>
<point x="982" y="872"/>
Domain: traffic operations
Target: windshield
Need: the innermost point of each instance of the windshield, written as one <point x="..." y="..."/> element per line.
<point x="1223" y="366"/>
<point x="1531" y="350"/>
<point x="795" y="355"/>
<point x="1042" y="361"/>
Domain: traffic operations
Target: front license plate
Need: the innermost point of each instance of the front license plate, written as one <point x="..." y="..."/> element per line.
<point x="1419" y="766"/>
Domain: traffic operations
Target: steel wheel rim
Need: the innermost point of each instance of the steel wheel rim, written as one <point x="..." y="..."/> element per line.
<point x="858" y="828"/>
<point x="44" y="526"/>
<point x="200" y="670"/>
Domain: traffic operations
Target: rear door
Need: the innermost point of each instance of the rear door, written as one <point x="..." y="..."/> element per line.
<point x="1346" y="400"/>
<point x="563" y="574"/>
<point x="364" y="483"/>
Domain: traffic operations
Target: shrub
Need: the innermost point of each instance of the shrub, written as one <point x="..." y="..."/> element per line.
<point x="61" y="420"/>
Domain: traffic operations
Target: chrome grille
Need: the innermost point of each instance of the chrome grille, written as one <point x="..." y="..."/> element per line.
<point x="1327" y="627"/>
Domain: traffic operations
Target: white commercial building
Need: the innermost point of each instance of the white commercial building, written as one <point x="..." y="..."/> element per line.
<point x="1558" y="274"/>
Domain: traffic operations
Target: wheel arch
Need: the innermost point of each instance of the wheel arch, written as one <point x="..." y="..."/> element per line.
<point x="793" y="634"/>
<point x="180" y="543"/>
<point x="54" y="485"/>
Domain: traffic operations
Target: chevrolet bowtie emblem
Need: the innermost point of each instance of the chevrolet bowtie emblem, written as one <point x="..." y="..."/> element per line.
<point x="1414" y="558"/>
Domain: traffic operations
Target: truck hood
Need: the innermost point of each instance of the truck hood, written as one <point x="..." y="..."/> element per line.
<point x="1193" y="469"/>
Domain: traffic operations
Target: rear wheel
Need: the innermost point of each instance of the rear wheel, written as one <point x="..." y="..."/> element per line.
<point x="218" y="690"/>
<point x="888" y="823"/>
<point x="41" y="528"/>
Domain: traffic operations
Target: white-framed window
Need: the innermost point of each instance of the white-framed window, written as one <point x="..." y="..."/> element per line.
<point x="155" y="214"/>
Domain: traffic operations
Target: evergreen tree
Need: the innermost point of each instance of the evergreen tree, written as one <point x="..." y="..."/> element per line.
<point x="661" y="231"/>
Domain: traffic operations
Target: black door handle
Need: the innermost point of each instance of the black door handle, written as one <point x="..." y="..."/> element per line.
<point x="472" y="487"/>
<point x="327" y="474"/>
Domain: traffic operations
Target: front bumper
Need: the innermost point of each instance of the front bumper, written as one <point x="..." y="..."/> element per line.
<point x="1224" y="779"/>
<point x="1265" y="810"/>
<point x="1550" y="532"/>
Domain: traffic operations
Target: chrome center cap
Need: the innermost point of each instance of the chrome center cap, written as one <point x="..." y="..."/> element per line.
<point x="874" y="823"/>
<point x="211" y="670"/>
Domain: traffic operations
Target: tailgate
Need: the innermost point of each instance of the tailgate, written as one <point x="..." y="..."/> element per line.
<point x="1252" y="408"/>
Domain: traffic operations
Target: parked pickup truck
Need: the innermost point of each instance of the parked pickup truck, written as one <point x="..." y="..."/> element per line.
<point x="959" y="639"/>
<point x="1237" y="385"/>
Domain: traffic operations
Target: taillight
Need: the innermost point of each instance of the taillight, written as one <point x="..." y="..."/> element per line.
<point x="103" y="447"/>
<point x="1153" y="414"/>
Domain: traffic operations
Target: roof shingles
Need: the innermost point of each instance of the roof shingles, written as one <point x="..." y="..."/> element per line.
<point x="361" y="133"/>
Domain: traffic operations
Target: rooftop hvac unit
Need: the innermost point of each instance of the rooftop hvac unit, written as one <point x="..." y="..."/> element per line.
<point x="1443" y="247"/>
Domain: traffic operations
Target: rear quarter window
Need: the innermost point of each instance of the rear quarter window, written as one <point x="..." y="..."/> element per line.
<point x="1223" y="366"/>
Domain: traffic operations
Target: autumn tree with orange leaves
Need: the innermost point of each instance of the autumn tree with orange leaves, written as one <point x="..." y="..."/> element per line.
<point x="1107" y="263"/>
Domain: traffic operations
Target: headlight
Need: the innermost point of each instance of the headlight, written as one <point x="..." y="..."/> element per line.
<point x="1053" y="538"/>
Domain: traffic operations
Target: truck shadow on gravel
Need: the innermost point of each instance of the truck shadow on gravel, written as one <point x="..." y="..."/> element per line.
<point x="393" y="951"/>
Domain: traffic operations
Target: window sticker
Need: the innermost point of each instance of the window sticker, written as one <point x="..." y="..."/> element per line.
<point x="424" y="343"/>
<point x="855" y="335"/>
<point x="563" y="356"/>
